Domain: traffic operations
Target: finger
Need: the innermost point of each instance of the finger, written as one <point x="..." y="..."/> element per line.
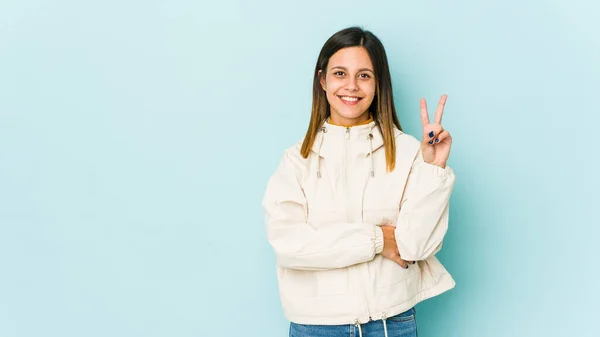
<point x="401" y="262"/>
<point x="406" y="262"/>
<point x="431" y="132"/>
<point x="440" y="110"/>
<point x="443" y="136"/>
<point x="424" y="114"/>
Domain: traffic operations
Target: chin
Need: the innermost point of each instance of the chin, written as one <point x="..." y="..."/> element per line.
<point x="352" y="114"/>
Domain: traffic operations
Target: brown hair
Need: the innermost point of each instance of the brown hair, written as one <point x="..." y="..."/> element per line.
<point x="382" y="108"/>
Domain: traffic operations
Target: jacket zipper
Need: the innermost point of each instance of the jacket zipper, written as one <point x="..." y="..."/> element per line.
<point x="358" y="275"/>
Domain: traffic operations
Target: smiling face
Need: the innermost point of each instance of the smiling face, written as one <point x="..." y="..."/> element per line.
<point x="349" y="83"/>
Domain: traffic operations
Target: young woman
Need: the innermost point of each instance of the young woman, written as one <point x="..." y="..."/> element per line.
<point x="357" y="210"/>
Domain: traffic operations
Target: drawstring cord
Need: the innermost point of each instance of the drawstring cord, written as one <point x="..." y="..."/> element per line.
<point x="324" y="130"/>
<point x="371" y="153"/>
<point x="359" y="328"/>
<point x="383" y="318"/>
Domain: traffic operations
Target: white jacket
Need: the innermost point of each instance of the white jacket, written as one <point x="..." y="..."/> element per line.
<point x="322" y="216"/>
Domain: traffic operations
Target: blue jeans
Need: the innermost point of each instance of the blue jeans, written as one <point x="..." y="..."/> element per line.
<point x="401" y="325"/>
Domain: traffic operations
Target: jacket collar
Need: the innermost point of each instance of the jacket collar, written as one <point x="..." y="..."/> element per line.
<point x="330" y="139"/>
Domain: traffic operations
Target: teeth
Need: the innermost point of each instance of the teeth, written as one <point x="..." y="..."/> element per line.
<point x="349" y="99"/>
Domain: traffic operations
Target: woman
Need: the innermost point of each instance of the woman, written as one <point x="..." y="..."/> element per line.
<point x="357" y="210"/>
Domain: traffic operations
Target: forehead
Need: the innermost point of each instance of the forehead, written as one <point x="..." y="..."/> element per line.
<point x="351" y="58"/>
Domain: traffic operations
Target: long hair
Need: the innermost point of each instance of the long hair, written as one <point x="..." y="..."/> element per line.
<point x="382" y="108"/>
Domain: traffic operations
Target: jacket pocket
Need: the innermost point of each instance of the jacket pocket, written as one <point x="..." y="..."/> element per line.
<point x="332" y="282"/>
<point x="295" y="283"/>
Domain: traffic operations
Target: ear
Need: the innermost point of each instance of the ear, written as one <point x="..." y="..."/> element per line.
<point x="322" y="79"/>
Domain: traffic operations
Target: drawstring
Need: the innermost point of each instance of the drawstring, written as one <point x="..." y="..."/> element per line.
<point x="383" y="318"/>
<point x="371" y="149"/>
<point x="359" y="328"/>
<point x="371" y="153"/>
<point x="324" y="130"/>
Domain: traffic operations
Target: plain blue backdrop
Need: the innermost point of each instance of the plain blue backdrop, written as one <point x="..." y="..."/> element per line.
<point x="136" y="139"/>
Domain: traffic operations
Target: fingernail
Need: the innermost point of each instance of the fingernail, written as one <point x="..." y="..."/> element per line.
<point x="437" y="140"/>
<point x="431" y="142"/>
<point x="431" y="134"/>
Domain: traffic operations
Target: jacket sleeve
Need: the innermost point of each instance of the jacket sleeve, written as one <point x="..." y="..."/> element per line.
<point x="300" y="245"/>
<point x="423" y="219"/>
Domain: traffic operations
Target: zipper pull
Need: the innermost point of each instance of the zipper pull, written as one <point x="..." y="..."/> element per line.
<point x="347" y="133"/>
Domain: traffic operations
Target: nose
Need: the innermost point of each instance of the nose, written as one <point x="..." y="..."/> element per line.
<point x="351" y="85"/>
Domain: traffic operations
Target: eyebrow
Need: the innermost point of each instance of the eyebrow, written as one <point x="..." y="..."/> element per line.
<point x="361" y="69"/>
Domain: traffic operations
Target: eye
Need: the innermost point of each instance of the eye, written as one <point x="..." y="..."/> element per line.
<point x="339" y="73"/>
<point x="365" y="75"/>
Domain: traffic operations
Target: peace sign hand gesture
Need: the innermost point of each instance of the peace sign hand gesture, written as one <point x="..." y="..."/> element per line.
<point x="436" y="142"/>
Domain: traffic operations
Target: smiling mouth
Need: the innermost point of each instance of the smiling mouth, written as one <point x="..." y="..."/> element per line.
<point x="350" y="100"/>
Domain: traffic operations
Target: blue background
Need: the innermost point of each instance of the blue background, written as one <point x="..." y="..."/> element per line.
<point x="136" y="138"/>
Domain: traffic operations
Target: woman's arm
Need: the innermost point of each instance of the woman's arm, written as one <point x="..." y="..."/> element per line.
<point x="423" y="219"/>
<point x="296" y="243"/>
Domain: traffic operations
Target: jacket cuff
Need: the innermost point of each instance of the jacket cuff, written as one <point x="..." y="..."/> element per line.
<point x="436" y="170"/>
<point x="378" y="239"/>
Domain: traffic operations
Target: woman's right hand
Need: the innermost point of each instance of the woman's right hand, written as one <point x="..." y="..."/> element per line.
<point x="390" y="248"/>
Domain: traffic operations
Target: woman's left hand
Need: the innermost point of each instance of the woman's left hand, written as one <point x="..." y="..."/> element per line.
<point x="436" y="142"/>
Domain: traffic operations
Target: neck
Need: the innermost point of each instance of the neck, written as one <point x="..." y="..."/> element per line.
<point x="361" y="120"/>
